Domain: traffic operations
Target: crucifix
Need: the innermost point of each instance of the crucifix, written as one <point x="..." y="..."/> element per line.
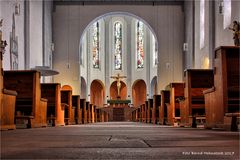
<point x="118" y="78"/>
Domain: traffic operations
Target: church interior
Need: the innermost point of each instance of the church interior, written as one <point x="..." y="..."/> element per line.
<point x="119" y="79"/>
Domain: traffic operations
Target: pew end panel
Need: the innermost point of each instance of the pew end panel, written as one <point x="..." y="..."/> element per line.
<point x="27" y="85"/>
<point x="8" y="109"/>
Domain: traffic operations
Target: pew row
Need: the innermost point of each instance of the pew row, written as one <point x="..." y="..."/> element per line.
<point x="66" y="100"/>
<point x="193" y="105"/>
<point x="222" y="100"/>
<point x="78" y="110"/>
<point x="164" y="116"/>
<point x="155" y="110"/>
<point x="55" y="111"/>
<point x="30" y="107"/>
<point x="176" y="95"/>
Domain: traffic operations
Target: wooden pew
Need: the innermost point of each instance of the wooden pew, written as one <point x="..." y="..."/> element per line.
<point x="7" y="101"/>
<point x="144" y="112"/>
<point x="150" y="107"/>
<point x="98" y="114"/>
<point x="176" y="95"/>
<point x="155" y="110"/>
<point x="29" y="104"/>
<point x="222" y="100"/>
<point x="165" y="116"/>
<point x="147" y="110"/>
<point x="78" y="110"/>
<point x="83" y="107"/>
<point x="90" y="106"/>
<point x="196" y="81"/>
<point x="7" y="108"/>
<point x="134" y="116"/>
<point x="55" y="111"/>
<point x="66" y="100"/>
<point x="139" y="114"/>
<point x="93" y="113"/>
<point x="87" y="112"/>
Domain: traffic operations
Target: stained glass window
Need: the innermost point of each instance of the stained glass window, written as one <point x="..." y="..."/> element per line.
<point x="227" y="10"/>
<point x="155" y="52"/>
<point x="118" y="45"/>
<point x="95" y="45"/>
<point x="202" y="23"/>
<point x="139" y="44"/>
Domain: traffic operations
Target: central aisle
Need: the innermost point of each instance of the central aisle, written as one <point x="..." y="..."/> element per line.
<point x="118" y="140"/>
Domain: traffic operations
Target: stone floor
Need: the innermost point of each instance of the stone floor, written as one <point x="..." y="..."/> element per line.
<point x="119" y="140"/>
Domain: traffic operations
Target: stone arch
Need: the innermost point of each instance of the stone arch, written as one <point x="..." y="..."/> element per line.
<point x="97" y="93"/>
<point x="66" y="88"/>
<point x="139" y="89"/>
<point x="153" y="89"/>
<point x="83" y="91"/>
<point x="113" y="90"/>
<point x="115" y="14"/>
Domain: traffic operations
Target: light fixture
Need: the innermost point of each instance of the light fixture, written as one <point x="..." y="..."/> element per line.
<point x="221" y="7"/>
<point x="185" y="47"/>
<point x="17" y="9"/>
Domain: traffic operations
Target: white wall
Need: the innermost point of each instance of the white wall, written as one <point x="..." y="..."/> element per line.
<point x="215" y="34"/>
<point x="6" y="13"/>
<point x="36" y="30"/>
<point x="166" y="21"/>
<point x="30" y="42"/>
<point x="225" y="36"/>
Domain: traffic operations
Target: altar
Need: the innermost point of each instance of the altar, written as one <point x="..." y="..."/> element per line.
<point x="119" y="110"/>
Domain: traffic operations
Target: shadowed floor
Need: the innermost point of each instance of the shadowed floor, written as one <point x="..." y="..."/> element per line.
<point x="119" y="140"/>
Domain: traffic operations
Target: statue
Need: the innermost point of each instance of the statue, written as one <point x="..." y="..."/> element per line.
<point x="3" y="44"/>
<point x="236" y="32"/>
<point x="118" y="77"/>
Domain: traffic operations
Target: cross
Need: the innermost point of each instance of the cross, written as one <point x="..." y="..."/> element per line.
<point x="118" y="78"/>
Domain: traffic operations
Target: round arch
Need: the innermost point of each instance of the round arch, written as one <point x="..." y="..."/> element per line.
<point x="97" y="93"/>
<point x="83" y="88"/>
<point x="153" y="89"/>
<point x="116" y="14"/>
<point x="113" y="90"/>
<point x="139" y="89"/>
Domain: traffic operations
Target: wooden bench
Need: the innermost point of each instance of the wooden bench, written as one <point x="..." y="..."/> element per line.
<point x="28" y="101"/>
<point x="83" y="108"/>
<point x="223" y="98"/>
<point x="149" y="111"/>
<point x="139" y="114"/>
<point x="66" y="97"/>
<point x="155" y="110"/>
<point x="87" y="112"/>
<point x="55" y="112"/>
<point x="164" y="111"/>
<point x="78" y="110"/>
<point x="97" y="114"/>
<point x="176" y="91"/>
<point x="146" y="109"/>
<point x="7" y="108"/>
<point x="196" y="81"/>
<point x="143" y="112"/>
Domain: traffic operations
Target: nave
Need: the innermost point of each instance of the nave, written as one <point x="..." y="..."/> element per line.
<point x="119" y="140"/>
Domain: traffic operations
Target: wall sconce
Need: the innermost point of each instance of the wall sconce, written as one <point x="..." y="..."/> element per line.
<point x="17" y="9"/>
<point x="185" y="47"/>
<point x="221" y="7"/>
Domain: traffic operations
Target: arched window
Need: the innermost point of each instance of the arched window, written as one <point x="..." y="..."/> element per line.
<point x="202" y="23"/>
<point x="155" y="52"/>
<point x="227" y="10"/>
<point x="118" y="45"/>
<point x="95" y="45"/>
<point x="140" y="44"/>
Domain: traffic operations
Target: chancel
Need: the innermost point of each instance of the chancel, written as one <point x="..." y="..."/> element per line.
<point x="113" y="79"/>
